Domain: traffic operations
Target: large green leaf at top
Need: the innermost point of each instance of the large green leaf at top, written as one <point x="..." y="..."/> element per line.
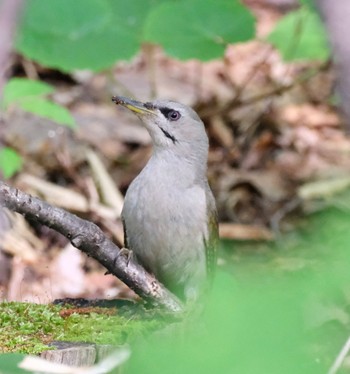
<point x="81" y="34"/>
<point x="197" y="28"/>
<point x="300" y="35"/>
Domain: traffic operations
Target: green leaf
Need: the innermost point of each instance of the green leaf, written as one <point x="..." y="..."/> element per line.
<point x="18" y="88"/>
<point x="300" y="35"/>
<point x="264" y="314"/>
<point x="48" y="109"/>
<point x="309" y="4"/>
<point x="93" y="34"/>
<point x="199" y="29"/>
<point x="26" y="94"/>
<point x="10" y="162"/>
<point x="9" y="363"/>
<point x="82" y="34"/>
<point x="69" y="29"/>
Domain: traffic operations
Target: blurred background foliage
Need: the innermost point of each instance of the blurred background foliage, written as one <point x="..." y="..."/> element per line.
<point x="94" y="34"/>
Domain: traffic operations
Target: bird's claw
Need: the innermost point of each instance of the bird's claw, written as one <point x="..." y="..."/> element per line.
<point x="127" y="253"/>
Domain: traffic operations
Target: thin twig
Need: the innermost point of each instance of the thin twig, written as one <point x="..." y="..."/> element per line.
<point x="249" y="77"/>
<point x="234" y="102"/>
<point x="151" y="65"/>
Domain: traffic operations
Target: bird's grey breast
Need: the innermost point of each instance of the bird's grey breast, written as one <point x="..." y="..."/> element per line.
<point x="166" y="221"/>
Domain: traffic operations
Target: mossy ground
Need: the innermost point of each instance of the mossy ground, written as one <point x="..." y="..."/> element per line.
<point x="29" y="328"/>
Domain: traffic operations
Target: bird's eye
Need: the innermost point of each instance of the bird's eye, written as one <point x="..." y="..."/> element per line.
<point x="173" y="115"/>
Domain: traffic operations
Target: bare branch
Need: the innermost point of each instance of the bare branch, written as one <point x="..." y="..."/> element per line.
<point x="89" y="238"/>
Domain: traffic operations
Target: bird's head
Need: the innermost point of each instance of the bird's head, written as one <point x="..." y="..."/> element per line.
<point x="170" y="124"/>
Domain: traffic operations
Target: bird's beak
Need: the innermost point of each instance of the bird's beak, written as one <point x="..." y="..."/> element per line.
<point x="135" y="106"/>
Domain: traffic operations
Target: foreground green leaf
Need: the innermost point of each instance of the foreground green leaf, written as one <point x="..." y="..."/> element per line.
<point x="275" y="308"/>
<point x="309" y="4"/>
<point x="9" y="363"/>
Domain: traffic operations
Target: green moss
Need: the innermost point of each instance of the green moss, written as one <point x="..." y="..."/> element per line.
<point x="29" y="328"/>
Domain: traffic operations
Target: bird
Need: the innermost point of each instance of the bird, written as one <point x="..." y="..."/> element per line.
<point x="169" y="213"/>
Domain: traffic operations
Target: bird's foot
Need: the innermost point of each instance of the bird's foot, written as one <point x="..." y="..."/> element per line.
<point x="127" y="253"/>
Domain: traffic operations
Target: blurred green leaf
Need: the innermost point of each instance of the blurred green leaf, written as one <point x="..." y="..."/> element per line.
<point x="253" y="327"/>
<point x="9" y="363"/>
<point x="199" y="29"/>
<point x="300" y="35"/>
<point x="27" y="94"/>
<point x="48" y="109"/>
<point x="10" y="162"/>
<point x="309" y="3"/>
<point x="82" y="34"/>
<point x="266" y="316"/>
<point x="94" y="34"/>
<point x="18" y="88"/>
<point x="57" y="33"/>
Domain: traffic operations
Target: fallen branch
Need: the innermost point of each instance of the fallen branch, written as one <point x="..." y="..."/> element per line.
<point x="89" y="238"/>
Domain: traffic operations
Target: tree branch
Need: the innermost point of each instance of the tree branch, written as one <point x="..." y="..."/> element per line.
<point x="89" y="238"/>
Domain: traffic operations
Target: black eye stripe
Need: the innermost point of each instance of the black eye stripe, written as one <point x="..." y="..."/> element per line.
<point x="165" y="111"/>
<point x="170" y="114"/>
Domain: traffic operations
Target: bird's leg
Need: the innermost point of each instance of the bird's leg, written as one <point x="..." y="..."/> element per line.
<point x="127" y="253"/>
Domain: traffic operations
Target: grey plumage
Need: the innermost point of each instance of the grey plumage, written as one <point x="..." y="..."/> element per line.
<point x="169" y="212"/>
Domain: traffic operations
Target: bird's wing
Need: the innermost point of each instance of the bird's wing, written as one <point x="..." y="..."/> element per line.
<point x="126" y="245"/>
<point x="212" y="240"/>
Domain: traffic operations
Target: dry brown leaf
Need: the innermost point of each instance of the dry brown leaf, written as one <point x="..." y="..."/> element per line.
<point x="67" y="275"/>
<point x="19" y="240"/>
<point x="309" y="115"/>
<point x="63" y="197"/>
<point x="323" y="188"/>
<point x="236" y="231"/>
<point x="221" y="131"/>
<point x="110" y="194"/>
